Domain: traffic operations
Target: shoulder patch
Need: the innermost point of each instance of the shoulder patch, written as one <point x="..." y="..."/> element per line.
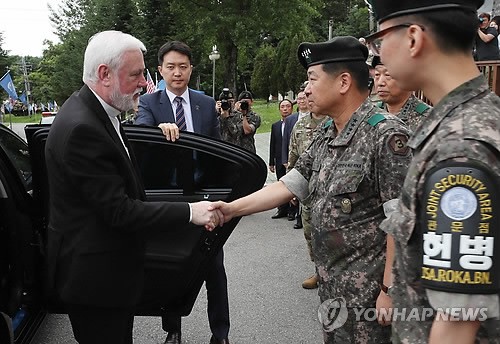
<point x="376" y="119"/>
<point x="459" y="225"/>
<point x="398" y="144"/>
<point x="421" y="108"/>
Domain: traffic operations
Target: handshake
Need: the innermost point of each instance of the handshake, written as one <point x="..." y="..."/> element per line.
<point x="210" y="214"/>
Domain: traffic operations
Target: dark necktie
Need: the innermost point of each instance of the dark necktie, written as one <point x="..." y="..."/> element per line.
<point x="180" y="119"/>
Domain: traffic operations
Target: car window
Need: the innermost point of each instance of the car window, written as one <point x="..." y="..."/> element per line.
<point x="166" y="167"/>
<point x="17" y="151"/>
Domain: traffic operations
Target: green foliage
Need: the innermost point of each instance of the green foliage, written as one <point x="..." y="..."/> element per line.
<point x="155" y="25"/>
<point x="257" y="39"/>
<point x="357" y="24"/>
<point x="263" y="68"/>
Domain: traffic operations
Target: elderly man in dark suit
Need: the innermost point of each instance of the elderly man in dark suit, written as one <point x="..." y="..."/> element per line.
<point x="98" y="213"/>
<point x="178" y="106"/>
<point x="276" y="160"/>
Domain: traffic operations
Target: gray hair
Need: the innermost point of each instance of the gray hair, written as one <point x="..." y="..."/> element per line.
<point x="107" y="47"/>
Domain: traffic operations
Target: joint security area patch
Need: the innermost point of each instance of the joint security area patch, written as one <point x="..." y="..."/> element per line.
<point x="459" y="224"/>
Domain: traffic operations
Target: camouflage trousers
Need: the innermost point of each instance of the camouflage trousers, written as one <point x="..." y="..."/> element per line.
<point x="306" y="223"/>
<point x="358" y="332"/>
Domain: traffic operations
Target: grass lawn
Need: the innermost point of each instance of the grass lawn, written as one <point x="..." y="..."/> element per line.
<point x="35" y="118"/>
<point x="268" y="112"/>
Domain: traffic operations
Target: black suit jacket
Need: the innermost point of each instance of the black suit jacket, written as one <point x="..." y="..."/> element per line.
<point x="155" y="108"/>
<point x="275" y="145"/>
<point x="287" y="133"/>
<point x="98" y="214"/>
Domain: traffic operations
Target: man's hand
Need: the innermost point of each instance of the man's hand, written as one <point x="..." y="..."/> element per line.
<point x="170" y="130"/>
<point x="203" y="214"/>
<point x="224" y="208"/>
<point x="384" y="309"/>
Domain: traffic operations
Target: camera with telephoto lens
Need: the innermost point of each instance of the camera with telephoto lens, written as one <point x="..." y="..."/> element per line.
<point x="244" y="106"/>
<point x="224" y="99"/>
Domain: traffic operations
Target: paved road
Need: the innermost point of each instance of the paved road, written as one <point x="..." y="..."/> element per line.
<point x="266" y="261"/>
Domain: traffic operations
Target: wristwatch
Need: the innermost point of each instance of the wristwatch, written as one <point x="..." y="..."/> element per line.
<point x="385" y="288"/>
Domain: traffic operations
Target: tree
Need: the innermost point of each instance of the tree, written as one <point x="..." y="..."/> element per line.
<point x="155" y="25"/>
<point x="4" y="58"/>
<point x="241" y="29"/>
<point x="263" y="67"/>
<point x="236" y="26"/>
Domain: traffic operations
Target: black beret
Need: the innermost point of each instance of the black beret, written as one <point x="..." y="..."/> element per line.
<point x="338" y="49"/>
<point x="376" y="61"/>
<point x="245" y="95"/>
<point x="387" y="9"/>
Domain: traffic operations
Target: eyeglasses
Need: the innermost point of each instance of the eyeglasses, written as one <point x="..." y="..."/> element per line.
<point x="375" y="40"/>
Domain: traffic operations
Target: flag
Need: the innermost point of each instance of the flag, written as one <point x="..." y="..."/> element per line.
<point x="151" y="87"/>
<point x="8" y="85"/>
<point x="22" y="99"/>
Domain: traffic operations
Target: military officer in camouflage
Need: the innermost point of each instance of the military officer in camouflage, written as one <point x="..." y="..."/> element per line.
<point x="395" y="100"/>
<point x="446" y="268"/>
<point x="300" y="138"/>
<point x="238" y="126"/>
<point x="355" y="164"/>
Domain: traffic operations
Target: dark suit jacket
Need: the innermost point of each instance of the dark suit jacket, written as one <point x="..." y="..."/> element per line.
<point x="155" y="108"/>
<point x="287" y="133"/>
<point x="275" y="145"/>
<point x="98" y="216"/>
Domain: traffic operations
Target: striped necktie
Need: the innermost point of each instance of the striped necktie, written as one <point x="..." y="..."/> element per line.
<point x="180" y="119"/>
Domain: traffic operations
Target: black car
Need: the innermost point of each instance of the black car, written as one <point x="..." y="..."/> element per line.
<point x="194" y="168"/>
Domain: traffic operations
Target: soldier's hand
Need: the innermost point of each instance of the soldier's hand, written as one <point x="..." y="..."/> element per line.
<point x="384" y="309"/>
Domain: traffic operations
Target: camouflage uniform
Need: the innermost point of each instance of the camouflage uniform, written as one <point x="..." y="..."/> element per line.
<point x="302" y="136"/>
<point x="231" y="129"/>
<point x="412" y="112"/>
<point x="463" y="128"/>
<point x="346" y="178"/>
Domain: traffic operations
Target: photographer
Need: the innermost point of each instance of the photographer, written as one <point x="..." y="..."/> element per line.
<point x="238" y="122"/>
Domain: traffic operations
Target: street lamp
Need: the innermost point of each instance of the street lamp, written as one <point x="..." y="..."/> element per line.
<point x="213" y="56"/>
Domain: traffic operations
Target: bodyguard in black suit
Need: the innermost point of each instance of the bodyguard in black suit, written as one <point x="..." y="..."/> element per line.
<point x="98" y="213"/>
<point x="199" y="115"/>
<point x="275" y="150"/>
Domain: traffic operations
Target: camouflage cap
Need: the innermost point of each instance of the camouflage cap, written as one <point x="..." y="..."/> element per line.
<point x="387" y="9"/>
<point x="338" y="49"/>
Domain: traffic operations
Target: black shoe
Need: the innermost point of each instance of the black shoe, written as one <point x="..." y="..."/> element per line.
<point x="279" y="214"/>
<point x="291" y="217"/>
<point x="214" y="340"/>
<point x="173" y="338"/>
<point x="297" y="225"/>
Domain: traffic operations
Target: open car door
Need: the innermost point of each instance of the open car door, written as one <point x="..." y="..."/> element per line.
<point x="194" y="168"/>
